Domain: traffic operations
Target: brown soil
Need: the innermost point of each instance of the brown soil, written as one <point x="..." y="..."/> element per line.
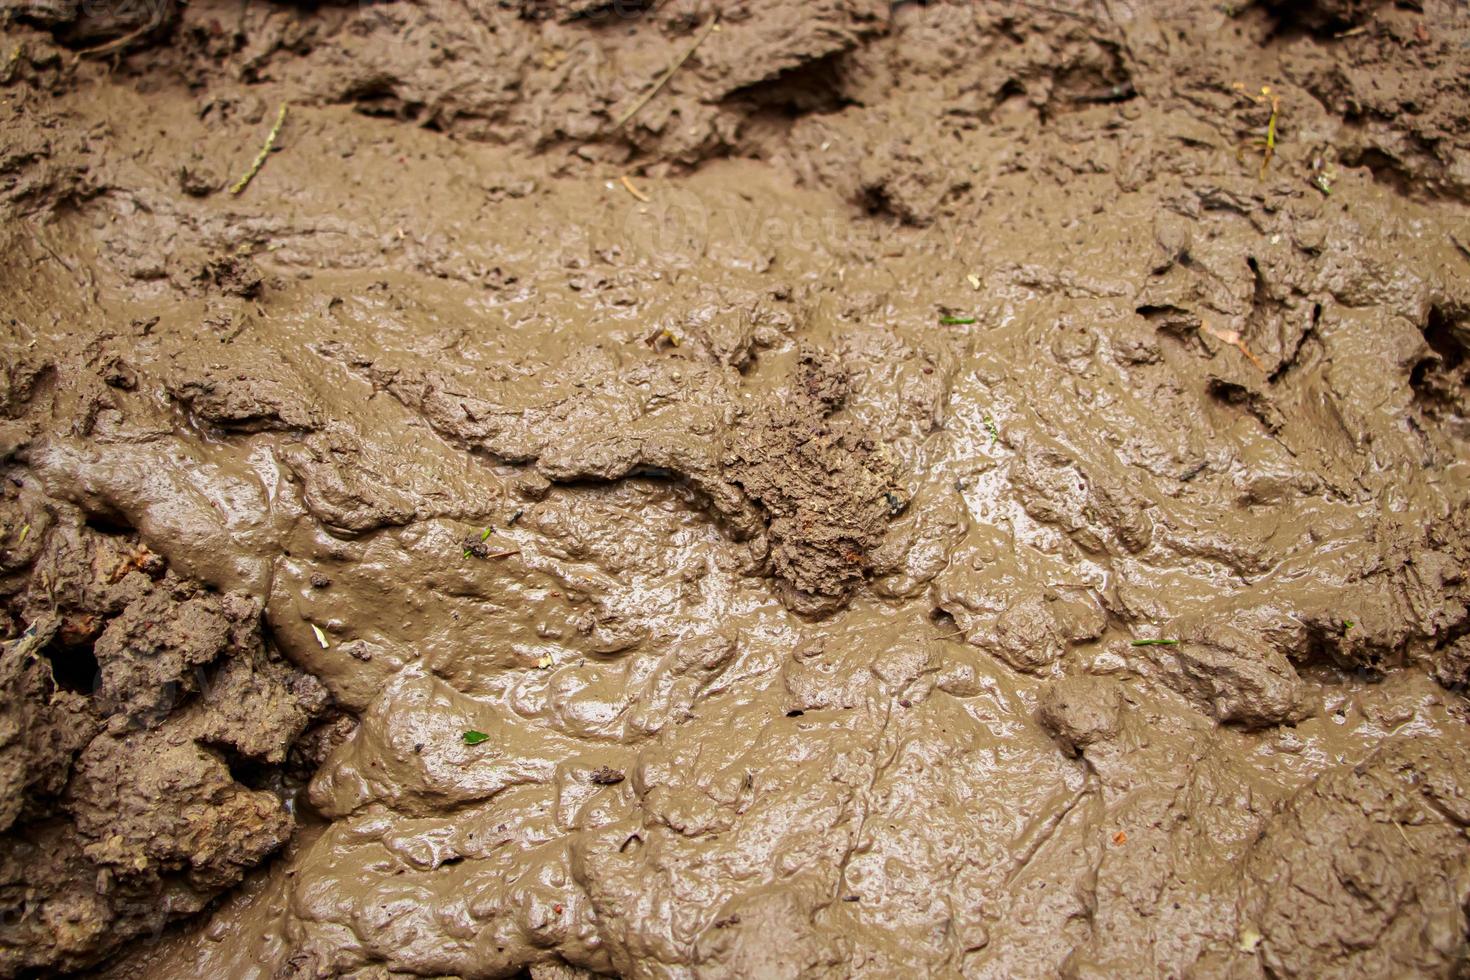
<point x="957" y="508"/>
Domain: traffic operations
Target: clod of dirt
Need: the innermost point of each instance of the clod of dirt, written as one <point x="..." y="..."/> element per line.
<point x="242" y="403"/>
<point x="233" y="275"/>
<point x="1080" y="711"/>
<point x="1345" y="858"/>
<point x="124" y="710"/>
<point x="606" y="776"/>
<point x="825" y="487"/>
<point x="1232" y="676"/>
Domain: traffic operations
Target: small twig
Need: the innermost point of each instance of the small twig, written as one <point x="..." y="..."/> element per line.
<point x="1051" y="10"/>
<point x="663" y="80"/>
<point x="1464" y="249"/>
<point x="628" y="183"/>
<point x="49" y="250"/>
<point x="265" y="152"/>
<point x="119" y="42"/>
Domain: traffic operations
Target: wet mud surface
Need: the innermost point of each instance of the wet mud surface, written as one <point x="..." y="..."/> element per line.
<point x="960" y="506"/>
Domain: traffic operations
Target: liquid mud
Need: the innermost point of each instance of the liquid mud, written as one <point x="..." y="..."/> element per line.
<point x="960" y="506"/>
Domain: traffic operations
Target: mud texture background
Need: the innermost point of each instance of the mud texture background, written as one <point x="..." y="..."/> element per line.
<point x="793" y="517"/>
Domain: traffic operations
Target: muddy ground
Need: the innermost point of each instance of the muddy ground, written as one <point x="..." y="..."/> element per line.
<point x="922" y="491"/>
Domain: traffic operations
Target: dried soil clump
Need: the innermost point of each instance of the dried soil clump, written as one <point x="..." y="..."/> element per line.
<point x="827" y="487"/>
<point x="127" y="708"/>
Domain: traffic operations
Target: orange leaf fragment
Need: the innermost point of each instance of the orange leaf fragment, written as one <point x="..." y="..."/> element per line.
<point x="1233" y="338"/>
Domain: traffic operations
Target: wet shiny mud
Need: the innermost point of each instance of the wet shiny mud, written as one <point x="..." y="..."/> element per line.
<point x="928" y="495"/>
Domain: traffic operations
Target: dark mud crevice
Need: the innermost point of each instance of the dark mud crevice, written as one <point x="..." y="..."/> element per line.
<point x="1305" y="340"/>
<point x="73" y="665"/>
<point x="1333" y="650"/>
<point x="1386" y="170"/>
<point x="588" y="13"/>
<point x="1170" y="320"/>
<point x="1445" y="331"/>
<point x="1081" y="86"/>
<point x="1248" y="399"/>
<point x="812" y="88"/>
<point x="1012" y="90"/>
<point x="875" y="202"/>
<point x="1441" y="379"/>
<point x="945" y="623"/>
<point x="249" y="772"/>
<point x="1320" y="20"/>
<point x="1266" y="309"/>
<point x="378" y="96"/>
<point x="771" y="109"/>
<point x="109" y="523"/>
<point x="99" y="29"/>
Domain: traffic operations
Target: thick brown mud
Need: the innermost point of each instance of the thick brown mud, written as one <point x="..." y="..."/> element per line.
<point x="957" y="489"/>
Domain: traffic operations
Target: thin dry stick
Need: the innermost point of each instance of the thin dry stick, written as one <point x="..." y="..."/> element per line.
<point x="626" y="182"/>
<point x="663" y="80"/>
<point x="265" y="151"/>
<point x="49" y="250"/>
<point x="117" y="44"/>
<point x="1051" y="10"/>
<point x="1464" y="249"/>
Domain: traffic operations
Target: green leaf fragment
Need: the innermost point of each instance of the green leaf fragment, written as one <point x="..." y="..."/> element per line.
<point x="956" y="321"/>
<point x="1156" y="643"/>
<point x="473" y="737"/>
